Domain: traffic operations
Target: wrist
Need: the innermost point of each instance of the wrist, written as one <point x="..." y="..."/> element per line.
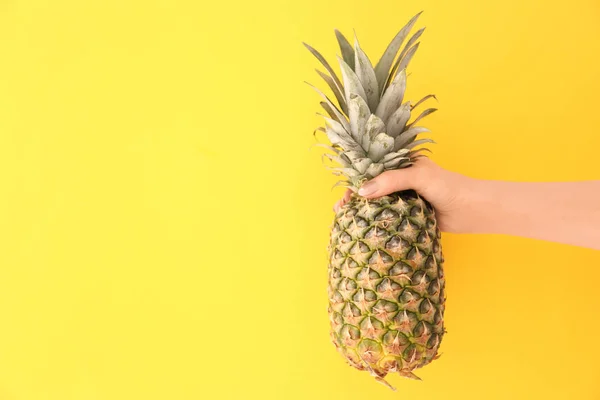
<point x="489" y="207"/>
<point x="471" y="207"/>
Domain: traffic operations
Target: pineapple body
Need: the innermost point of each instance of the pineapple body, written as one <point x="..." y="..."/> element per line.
<point x="386" y="284"/>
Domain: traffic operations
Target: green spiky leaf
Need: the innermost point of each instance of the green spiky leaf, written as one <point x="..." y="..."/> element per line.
<point x="330" y="148"/>
<point x="381" y="145"/>
<point x="345" y="48"/>
<point x="415" y="154"/>
<point x="351" y="82"/>
<point x="362" y="164"/>
<point x="374" y="127"/>
<point x="354" y="155"/>
<point x="349" y="172"/>
<point x="392" y="98"/>
<point x="396" y="163"/>
<point x="394" y="155"/>
<point x="319" y="57"/>
<point x="329" y="111"/>
<point x="418" y="143"/>
<point x="346" y="184"/>
<point x="340" y="117"/>
<point x="374" y="170"/>
<point x="408" y="45"/>
<point x="429" y="96"/>
<point x="408" y="136"/>
<point x="408" y="57"/>
<point x="366" y="76"/>
<point x="423" y="115"/>
<point x="336" y="92"/>
<point x="382" y="69"/>
<point x="398" y="120"/>
<point x="336" y="159"/>
<point x="338" y="128"/>
<point x="358" y="112"/>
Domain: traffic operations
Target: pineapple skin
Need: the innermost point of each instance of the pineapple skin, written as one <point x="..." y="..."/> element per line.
<point x="386" y="284"/>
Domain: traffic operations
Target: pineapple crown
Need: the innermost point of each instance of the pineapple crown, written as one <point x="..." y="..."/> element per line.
<point x="369" y="128"/>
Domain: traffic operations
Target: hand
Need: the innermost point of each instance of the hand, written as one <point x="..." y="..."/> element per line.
<point x="563" y="212"/>
<point x="445" y="190"/>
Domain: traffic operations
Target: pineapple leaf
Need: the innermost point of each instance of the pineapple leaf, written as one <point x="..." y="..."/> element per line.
<point x="396" y="162"/>
<point x="408" y="45"/>
<point x="351" y="82"/>
<point x="338" y="114"/>
<point x="374" y="170"/>
<point x="330" y="148"/>
<point x="338" y="136"/>
<point x="408" y="136"/>
<point x="397" y="122"/>
<point x="319" y="129"/>
<point x="349" y="172"/>
<point x="366" y="76"/>
<point x="335" y="138"/>
<point x="393" y="155"/>
<point x="404" y="61"/>
<point x="415" y="154"/>
<point x="329" y="110"/>
<point x="346" y="49"/>
<point x="358" y="112"/>
<point x="390" y="157"/>
<point x="374" y="127"/>
<point x="338" y="128"/>
<point x="381" y="145"/>
<point x="392" y="97"/>
<point x="418" y="143"/>
<point x="347" y="184"/>
<point x="362" y="164"/>
<point x="333" y="158"/>
<point x="409" y="55"/>
<point x="423" y="115"/>
<point x="353" y="156"/>
<point x="319" y="57"/>
<point x="336" y="92"/>
<point x="382" y="69"/>
<point x="429" y="96"/>
<point x="410" y="375"/>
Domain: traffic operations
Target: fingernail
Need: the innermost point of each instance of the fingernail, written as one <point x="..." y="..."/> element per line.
<point x="368" y="188"/>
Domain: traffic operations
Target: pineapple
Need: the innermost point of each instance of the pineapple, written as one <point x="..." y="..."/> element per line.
<point x="386" y="281"/>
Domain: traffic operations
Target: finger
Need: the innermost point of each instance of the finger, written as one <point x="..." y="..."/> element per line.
<point x="388" y="182"/>
<point x="342" y="202"/>
<point x="347" y="196"/>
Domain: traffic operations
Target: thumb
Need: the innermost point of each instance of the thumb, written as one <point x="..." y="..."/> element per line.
<point x="388" y="182"/>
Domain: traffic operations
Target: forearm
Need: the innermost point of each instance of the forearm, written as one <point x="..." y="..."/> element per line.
<point x="566" y="212"/>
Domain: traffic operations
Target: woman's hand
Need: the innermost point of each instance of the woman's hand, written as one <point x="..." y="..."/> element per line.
<point x="445" y="190"/>
<point x="564" y="212"/>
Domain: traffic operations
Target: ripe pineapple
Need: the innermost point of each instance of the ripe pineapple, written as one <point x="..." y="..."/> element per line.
<point x="386" y="282"/>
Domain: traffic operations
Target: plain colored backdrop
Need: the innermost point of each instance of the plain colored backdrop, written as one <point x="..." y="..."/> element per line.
<point x="163" y="223"/>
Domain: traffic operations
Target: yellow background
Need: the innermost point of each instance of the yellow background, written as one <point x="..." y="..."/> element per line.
<point x="164" y="225"/>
